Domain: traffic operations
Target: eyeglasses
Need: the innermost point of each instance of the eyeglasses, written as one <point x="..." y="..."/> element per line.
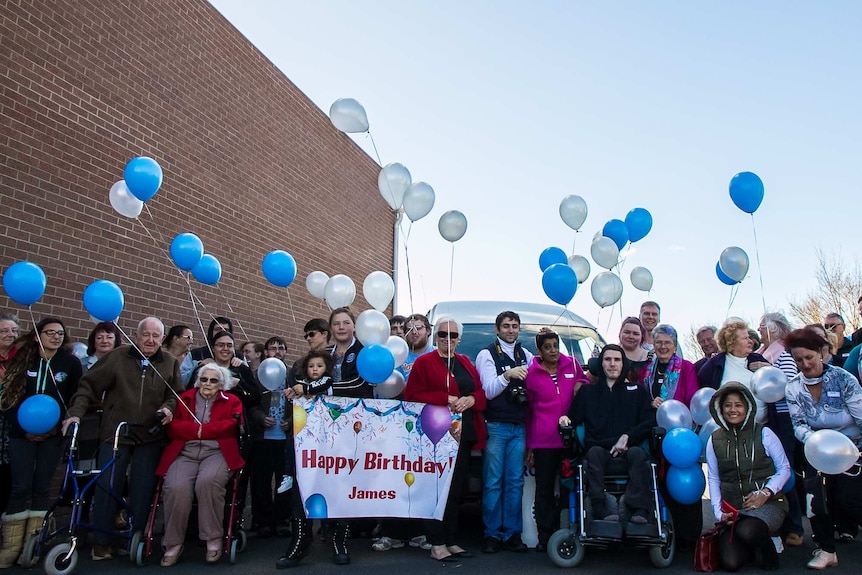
<point x="54" y="332"/>
<point x="188" y="337"/>
<point x="662" y="343"/>
<point x="209" y="380"/>
<point x="276" y="348"/>
<point x="831" y="326"/>
<point x="223" y="345"/>
<point x="310" y="334"/>
<point x="448" y="334"/>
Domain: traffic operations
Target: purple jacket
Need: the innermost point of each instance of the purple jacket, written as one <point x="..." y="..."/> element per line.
<point x="548" y="401"/>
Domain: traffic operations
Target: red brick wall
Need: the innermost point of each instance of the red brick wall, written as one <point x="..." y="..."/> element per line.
<point x="250" y="164"/>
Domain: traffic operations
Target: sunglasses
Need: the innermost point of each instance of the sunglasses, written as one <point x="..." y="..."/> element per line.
<point x="832" y="325"/>
<point x="448" y="334"/>
<point x="310" y="334"/>
<point x="209" y="380"/>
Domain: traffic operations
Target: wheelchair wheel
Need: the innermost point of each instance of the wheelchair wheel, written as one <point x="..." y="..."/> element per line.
<point x="56" y="562"/>
<point x="234" y="547"/>
<point x="242" y="538"/>
<point x="136" y="549"/>
<point x="662" y="556"/>
<point x="28" y="558"/>
<point x="565" y="548"/>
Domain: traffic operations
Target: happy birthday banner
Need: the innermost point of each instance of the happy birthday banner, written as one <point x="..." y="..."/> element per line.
<point x="374" y="457"/>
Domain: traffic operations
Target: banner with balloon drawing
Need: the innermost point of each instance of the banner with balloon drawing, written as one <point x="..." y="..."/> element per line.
<point x="374" y="457"/>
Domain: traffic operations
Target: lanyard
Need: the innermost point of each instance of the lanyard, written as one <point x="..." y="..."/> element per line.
<point x="42" y="375"/>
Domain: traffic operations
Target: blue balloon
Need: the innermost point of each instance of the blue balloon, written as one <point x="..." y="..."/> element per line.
<point x="315" y="507"/>
<point x="638" y="224"/>
<point x="375" y="363"/>
<point x="723" y="276"/>
<point x="681" y="447"/>
<point x="279" y="268"/>
<point x="208" y="270"/>
<point x="103" y="300"/>
<point x="24" y="283"/>
<point x="617" y="231"/>
<point x="38" y="414"/>
<point x="685" y="484"/>
<point x="186" y="251"/>
<point x="551" y="256"/>
<point x="560" y="283"/>
<point x="746" y="191"/>
<point x="143" y="177"/>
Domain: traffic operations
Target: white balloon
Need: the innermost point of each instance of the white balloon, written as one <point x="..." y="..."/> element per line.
<point x="672" y="413"/>
<point x="830" y="452"/>
<point x="272" y="373"/>
<point x="573" y="210"/>
<point x="452" y="225"/>
<point x="393" y="182"/>
<point x="734" y="263"/>
<point x="418" y="201"/>
<point x="340" y="291"/>
<point x="699" y="405"/>
<point x="372" y="327"/>
<point x="79" y="350"/>
<point x="315" y="283"/>
<point x="123" y="201"/>
<point x="378" y="289"/>
<point x="605" y="252"/>
<point x="768" y="384"/>
<point x="607" y="289"/>
<point x="641" y="278"/>
<point x="392" y="387"/>
<point x="348" y="115"/>
<point x="581" y="265"/>
<point x="399" y="349"/>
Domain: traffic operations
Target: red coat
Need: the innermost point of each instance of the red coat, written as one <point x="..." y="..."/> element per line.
<point x="223" y="426"/>
<point x="427" y="384"/>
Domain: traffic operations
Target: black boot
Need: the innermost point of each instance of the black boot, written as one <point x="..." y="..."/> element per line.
<point x="769" y="554"/>
<point x="300" y="545"/>
<point x="340" y="555"/>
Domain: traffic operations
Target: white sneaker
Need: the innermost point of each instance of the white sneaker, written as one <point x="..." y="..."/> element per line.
<point x="779" y="544"/>
<point x="822" y="560"/>
<point x="420" y="542"/>
<point x="286" y="484"/>
<point x="386" y="543"/>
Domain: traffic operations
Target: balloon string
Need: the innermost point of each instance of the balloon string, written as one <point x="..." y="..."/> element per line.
<point x="289" y="305"/>
<point x="171" y="389"/>
<point x="232" y="314"/>
<point x="192" y="297"/>
<point x="47" y="363"/>
<point x="451" y="270"/>
<point x="759" y="269"/>
<point x="409" y="275"/>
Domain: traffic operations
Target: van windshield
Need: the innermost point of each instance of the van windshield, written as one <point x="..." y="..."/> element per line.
<point x="577" y="342"/>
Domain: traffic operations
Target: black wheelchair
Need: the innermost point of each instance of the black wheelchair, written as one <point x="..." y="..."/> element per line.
<point x="567" y="546"/>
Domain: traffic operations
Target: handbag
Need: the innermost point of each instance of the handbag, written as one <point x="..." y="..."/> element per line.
<point x="706" y="550"/>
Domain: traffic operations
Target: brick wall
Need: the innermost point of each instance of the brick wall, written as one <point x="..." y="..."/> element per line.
<point x="250" y="165"/>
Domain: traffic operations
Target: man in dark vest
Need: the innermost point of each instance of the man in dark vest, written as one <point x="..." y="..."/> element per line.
<point x="502" y="367"/>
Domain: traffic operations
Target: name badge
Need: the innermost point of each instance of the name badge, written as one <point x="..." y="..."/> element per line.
<point x="32" y="373"/>
<point x="631" y="388"/>
<point x="833" y="394"/>
<point x="569" y="375"/>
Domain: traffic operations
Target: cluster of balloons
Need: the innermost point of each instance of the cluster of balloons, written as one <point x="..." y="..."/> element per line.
<point x="142" y="178"/>
<point x="559" y="279"/>
<point x="682" y="448"/>
<point x="746" y="192"/>
<point x="187" y="252"/>
<point x="732" y="266"/>
<point x="381" y="354"/>
<point x="340" y="291"/>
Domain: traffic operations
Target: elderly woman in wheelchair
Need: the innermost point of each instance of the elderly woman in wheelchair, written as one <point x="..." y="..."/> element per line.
<point x="616" y="418"/>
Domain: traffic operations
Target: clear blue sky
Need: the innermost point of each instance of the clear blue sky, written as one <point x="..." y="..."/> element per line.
<point x="507" y="107"/>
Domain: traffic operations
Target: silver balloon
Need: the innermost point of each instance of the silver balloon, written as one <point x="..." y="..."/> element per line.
<point x="607" y="289"/>
<point x="581" y="265"/>
<point x="672" y="414"/>
<point x="768" y="384"/>
<point x="372" y="327"/>
<point x="699" y="405"/>
<point x="452" y="225"/>
<point x="830" y="452"/>
<point x="348" y="115"/>
<point x="123" y="201"/>
<point x="418" y="201"/>
<point x="734" y="263"/>
<point x="392" y="387"/>
<point x="399" y="349"/>
<point x="573" y="211"/>
<point x="706" y="432"/>
<point x="340" y="291"/>
<point x="315" y="283"/>
<point x="641" y="278"/>
<point x="79" y="350"/>
<point x="605" y="252"/>
<point x="393" y="182"/>
<point x="271" y="373"/>
<point x="378" y="289"/>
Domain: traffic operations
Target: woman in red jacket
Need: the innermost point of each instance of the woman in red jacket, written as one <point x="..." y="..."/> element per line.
<point x="203" y="450"/>
<point x="443" y="377"/>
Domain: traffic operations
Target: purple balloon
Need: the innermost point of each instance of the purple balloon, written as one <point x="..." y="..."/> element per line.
<point x="436" y="421"/>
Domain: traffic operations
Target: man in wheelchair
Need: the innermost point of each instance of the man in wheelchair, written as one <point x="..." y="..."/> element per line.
<point x="617" y="418"/>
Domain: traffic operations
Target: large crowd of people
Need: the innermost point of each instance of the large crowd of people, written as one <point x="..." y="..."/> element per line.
<point x="187" y="407"/>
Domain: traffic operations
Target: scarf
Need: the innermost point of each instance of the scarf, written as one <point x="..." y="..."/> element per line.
<point x="668" y="388"/>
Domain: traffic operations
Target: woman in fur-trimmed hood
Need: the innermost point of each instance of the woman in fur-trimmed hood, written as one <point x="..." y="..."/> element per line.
<point x="747" y="472"/>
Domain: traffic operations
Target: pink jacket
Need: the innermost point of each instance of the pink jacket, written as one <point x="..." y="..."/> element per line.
<point x="547" y="401"/>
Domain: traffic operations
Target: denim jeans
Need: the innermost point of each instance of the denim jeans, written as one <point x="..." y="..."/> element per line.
<point x="503" y="479"/>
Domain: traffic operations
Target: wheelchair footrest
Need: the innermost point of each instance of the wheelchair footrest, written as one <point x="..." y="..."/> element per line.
<point x="605" y="529"/>
<point x="637" y="530"/>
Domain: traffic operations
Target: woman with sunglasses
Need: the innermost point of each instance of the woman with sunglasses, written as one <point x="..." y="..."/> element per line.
<point x="443" y="377"/>
<point x="40" y="366"/>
